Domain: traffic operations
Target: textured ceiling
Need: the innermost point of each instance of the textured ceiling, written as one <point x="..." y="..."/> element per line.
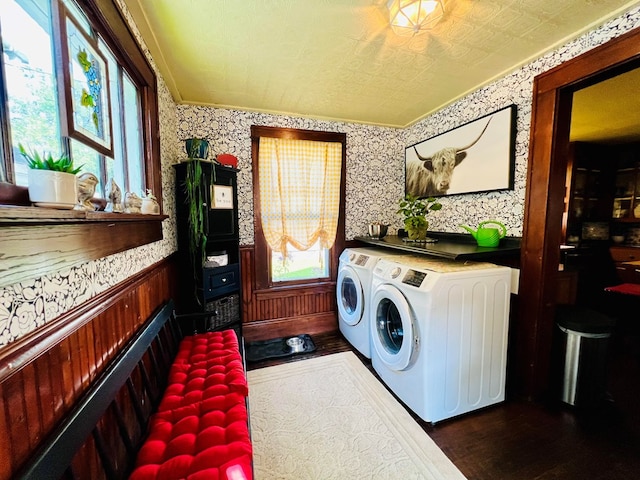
<point x="339" y="59"/>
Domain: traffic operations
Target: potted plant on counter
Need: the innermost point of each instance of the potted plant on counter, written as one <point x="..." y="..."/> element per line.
<point x="414" y="211"/>
<point x="52" y="181"/>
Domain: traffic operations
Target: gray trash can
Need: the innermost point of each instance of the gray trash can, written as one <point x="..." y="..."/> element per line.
<point x="585" y="340"/>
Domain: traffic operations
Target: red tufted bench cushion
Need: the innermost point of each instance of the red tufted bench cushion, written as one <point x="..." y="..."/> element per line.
<point x="188" y="384"/>
<point x="203" y="440"/>
<point x="209" y="346"/>
<point x="201" y="427"/>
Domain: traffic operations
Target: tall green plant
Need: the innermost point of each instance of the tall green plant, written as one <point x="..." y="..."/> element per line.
<point x="195" y="188"/>
<point x="195" y="195"/>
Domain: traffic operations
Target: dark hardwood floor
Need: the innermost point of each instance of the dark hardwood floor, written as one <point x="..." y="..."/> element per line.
<point x="526" y="440"/>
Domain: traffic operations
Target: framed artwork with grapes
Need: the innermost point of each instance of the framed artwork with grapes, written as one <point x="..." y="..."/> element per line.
<point x="86" y="78"/>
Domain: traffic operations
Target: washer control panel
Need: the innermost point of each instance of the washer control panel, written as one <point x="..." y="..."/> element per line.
<point x="362" y="260"/>
<point x="414" y="278"/>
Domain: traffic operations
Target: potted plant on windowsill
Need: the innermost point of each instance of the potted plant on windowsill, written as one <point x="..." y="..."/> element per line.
<point x="415" y="210"/>
<point x="52" y="181"/>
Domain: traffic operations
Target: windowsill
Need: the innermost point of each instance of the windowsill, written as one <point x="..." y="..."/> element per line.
<point x="10" y="214"/>
<point x="35" y="241"/>
<point x="281" y="291"/>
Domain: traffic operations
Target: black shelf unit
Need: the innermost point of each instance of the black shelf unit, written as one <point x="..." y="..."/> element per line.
<point x="206" y="290"/>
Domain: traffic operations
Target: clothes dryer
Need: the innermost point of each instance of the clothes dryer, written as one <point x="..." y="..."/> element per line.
<point x="352" y="294"/>
<point x="439" y="333"/>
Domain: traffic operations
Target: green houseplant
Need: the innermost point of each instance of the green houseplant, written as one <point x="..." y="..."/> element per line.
<point x="195" y="187"/>
<point x="195" y="197"/>
<point x="414" y="211"/>
<point x="51" y="181"/>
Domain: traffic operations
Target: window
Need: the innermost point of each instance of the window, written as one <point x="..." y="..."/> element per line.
<point x="102" y="113"/>
<point x="299" y="203"/>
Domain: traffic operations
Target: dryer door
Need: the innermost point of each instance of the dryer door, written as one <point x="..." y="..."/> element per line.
<point x="350" y="296"/>
<point x="392" y="327"/>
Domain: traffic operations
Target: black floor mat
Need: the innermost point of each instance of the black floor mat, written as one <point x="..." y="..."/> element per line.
<point x="277" y="348"/>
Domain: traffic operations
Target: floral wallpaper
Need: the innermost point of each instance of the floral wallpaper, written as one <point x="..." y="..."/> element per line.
<point x="374" y="170"/>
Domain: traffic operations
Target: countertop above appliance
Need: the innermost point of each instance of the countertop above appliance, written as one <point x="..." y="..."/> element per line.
<point x="449" y="245"/>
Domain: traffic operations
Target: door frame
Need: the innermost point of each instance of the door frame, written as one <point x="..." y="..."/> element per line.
<point x="544" y="200"/>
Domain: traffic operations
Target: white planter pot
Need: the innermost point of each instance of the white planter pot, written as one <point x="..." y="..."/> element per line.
<point x="52" y="189"/>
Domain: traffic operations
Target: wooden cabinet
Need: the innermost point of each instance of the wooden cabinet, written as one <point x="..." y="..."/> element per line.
<point x="209" y="280"/>
<point x="589" y="189"/>
<point x="602" y="185"/>
<point x="626" y="198"/>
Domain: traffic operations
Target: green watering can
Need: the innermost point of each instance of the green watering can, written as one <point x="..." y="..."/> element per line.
<point x="487" y="236"/>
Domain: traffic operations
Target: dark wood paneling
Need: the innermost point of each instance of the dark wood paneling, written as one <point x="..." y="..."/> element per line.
<point x="286" y="327"/>
<point x="546" y="173"/>
<point x="44" y="373"/>
<point x="5" y="442"/>
<point x="284" y="312"/>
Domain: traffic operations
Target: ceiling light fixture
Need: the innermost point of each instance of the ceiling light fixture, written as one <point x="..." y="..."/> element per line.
<point x="412" y="17"/>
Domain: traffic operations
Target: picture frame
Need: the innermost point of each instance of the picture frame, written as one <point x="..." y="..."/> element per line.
<point x="221" y="197"/>
<point x="85" y="75"/>
<point x="478" y="156"/>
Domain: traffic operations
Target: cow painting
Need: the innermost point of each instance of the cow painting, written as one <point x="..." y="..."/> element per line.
<point x="428" y="176"/>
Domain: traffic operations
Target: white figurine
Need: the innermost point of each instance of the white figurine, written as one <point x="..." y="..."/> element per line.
<point x="132" y="203"/>
<point x="86" y="188"/>
<point x="150" y="204"/>
<point x="115" y="198"/>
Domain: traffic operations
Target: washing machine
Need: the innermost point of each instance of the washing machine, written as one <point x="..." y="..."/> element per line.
<point x="439" y="333"/>
<point x="352" y="294"/>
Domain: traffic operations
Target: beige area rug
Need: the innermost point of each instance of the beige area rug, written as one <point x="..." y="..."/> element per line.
<point x="330" y="418"/>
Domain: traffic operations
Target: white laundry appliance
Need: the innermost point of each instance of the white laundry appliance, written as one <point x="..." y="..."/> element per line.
<point x="439" y="333"/>
<point x="353" y="288"/>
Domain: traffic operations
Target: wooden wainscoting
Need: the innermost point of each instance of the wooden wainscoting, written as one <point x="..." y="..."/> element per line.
<point x="44" y="373"/>
<point x="287" y="311"/>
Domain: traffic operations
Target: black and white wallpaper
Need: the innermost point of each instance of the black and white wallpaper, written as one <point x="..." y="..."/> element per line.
<point x="375" y="179"/>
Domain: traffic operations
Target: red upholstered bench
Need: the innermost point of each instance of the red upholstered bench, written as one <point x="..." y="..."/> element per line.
<point x="188" y="394"/>
<point x="200" y="429"/>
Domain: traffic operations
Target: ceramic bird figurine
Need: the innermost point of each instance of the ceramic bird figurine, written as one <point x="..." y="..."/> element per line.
<point x="115" y="198"/>
<point x="86" y="188"/>
<point x="132" y="203"/>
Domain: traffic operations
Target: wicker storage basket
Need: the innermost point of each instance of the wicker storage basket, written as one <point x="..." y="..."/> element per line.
<point x="224" y="311"/>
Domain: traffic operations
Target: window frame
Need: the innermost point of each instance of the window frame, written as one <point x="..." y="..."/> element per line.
<point x="262" y="263"/>
<point x="107" y="20"/>
<point x="21" y="224"/>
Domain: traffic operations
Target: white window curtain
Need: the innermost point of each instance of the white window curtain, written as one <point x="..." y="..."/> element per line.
<point x="299" y="192"/>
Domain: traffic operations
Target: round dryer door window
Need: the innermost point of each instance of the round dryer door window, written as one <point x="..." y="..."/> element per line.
<point x="393" y="331"/>
<point x="350" y="296"/>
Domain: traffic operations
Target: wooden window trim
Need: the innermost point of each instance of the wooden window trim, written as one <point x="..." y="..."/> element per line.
<point x="108" y="21"/>
<point x="262" y="251"/>
<point x="29" y="232"/>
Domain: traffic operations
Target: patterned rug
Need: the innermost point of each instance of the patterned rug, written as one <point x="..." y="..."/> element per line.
<point x="330" y="418"/>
